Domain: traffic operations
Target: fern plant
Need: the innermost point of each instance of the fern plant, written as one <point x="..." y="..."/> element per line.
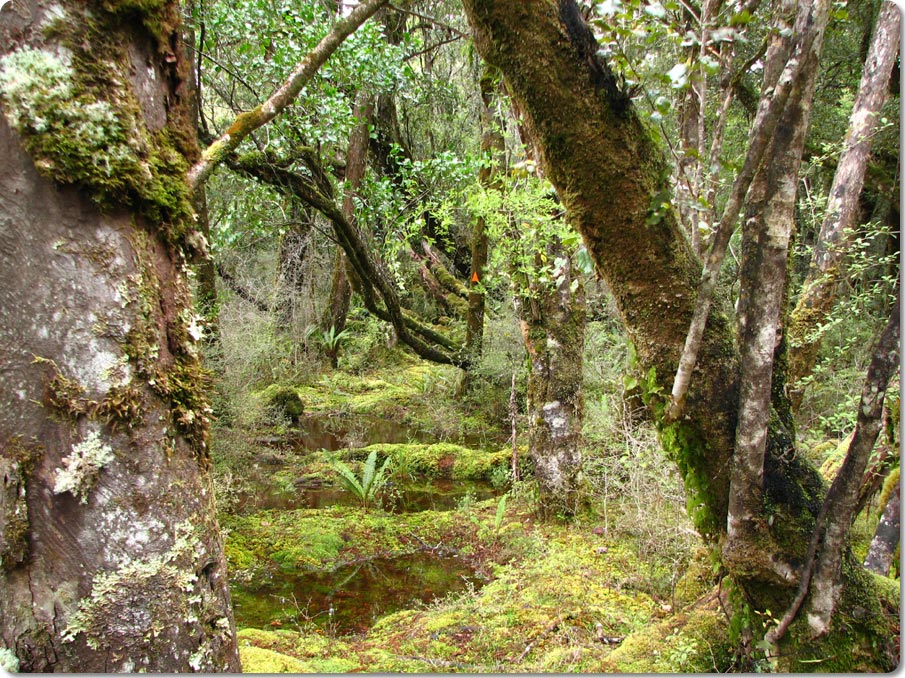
<point x="371" y="482"/>
<point x="332" y="341"/>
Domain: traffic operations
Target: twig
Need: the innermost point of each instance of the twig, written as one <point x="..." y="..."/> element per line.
<point x="546" y="632"/>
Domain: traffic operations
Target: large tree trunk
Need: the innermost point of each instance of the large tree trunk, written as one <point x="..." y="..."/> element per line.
<point x="819" y="289"/>
<point x="606" y="169"/>
<point x="110" y="555"/>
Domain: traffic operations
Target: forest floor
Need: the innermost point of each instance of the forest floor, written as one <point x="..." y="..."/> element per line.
<point x="447" y="570"/>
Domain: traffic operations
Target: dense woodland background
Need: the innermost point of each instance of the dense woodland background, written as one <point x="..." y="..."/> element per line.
<point x="468" y="240"/>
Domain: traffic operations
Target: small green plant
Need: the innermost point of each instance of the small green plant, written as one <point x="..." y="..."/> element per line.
<point x="500" y="514"/>
<point x="332" y="341"/>
<point x="371" y="482"/>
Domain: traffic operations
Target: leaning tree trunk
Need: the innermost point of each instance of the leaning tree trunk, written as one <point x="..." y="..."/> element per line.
<point x="110" y="555"/>
<point x="334" y="316"/>
<point x="819" y="290"/>
<point x="552" y="321"/>
<point x="607" y="169"/>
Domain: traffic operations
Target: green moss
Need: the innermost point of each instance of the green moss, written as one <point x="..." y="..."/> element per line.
<point x="16" y="466"/>
<point x="259" y="660"/>
<point x="283" y="400"/>
<point x="324" y="539"/>
<point x="863" y="637"/>
<point x="292" y="652"/>
<point x="683" y="444"/>
<point x="697" y="642"/>
<point x="441" y="459"/>
<point x="697" y="580"/>
<point x="81" y="122"/>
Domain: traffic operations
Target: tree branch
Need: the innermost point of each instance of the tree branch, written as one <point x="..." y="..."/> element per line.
<point x="248" y="122"/>
<point x="370" y="281"/>
<point x="772" y="104"/>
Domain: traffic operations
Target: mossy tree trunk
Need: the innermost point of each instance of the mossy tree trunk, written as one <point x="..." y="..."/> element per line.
<point x="611" y="178"/>
<point x="552" y="320"/>
<point x="492" y="148"/>
<point x="110" y="554"/>
<point x="334" y="317"/>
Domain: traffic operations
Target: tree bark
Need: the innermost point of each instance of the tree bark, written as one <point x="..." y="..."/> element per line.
<point x="690" y="188"/>
<point x="886" y="539"/>
<point x="766" y="233"/>
<point x="819" y="290"/>
<point x="577" y="115"/>
<point x="356" y="164"/>
<point x="842" y="497"/>
<point x="552" y="322"/>
<point x="110" y="554"/>
<point x="492" y="146"/>
<point x="772" y="103"/>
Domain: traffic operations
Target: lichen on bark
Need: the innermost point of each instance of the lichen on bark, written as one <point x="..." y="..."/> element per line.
<point x="79" y="117"/>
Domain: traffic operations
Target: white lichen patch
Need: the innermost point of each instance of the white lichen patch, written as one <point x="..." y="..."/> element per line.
<point x="556" y="420"/>
<point x="38" y="90"/>
<point x="129" y="534"/>
<point x="81" y="468"/>
<point x="8" y="660"/>
<point x="141" y="599"/>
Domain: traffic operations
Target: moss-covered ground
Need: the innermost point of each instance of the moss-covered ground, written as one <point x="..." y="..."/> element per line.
<point x="558" y="598"/>
<point x="606" y="593"/>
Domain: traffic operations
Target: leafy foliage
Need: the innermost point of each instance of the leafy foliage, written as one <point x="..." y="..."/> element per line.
<point x="372" y="478"/>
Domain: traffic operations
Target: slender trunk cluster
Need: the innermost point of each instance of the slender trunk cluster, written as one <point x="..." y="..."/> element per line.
<point x="819" y="290"/>
<point x="766" y="233"/>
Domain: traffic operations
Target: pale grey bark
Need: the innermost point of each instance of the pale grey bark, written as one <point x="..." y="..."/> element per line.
<point x="772" y="103"/>
<point x="842" y="498"/>
<point x="552" y="321"/>
<point x="821" y="580"/>
<point x="886" y="538"/>
<point x="766" y="234"/>
<point x="819" y="289"/>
